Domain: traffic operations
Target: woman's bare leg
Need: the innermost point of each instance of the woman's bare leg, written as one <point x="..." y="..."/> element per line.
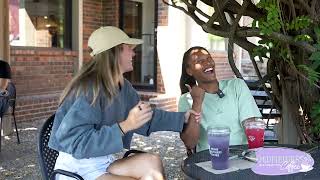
<point x="113" y="177"/>
<point x="144" y="166"/>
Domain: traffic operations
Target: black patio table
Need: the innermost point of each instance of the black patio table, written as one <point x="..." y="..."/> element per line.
<point x="192" y="171"/>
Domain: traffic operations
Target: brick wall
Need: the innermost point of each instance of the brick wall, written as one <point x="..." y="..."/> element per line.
<point x="160" y="84"/>
<point x="223" y="69"/>
<point x="40" y="74"/>
<point x="164" y="103"/>
<point x="162" y="14"/>
<point x="97" y="13"/>
<point x="162" y="21"/>
<point x="111" y="12"/>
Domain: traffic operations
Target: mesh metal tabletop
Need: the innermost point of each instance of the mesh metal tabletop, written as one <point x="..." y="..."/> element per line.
<point x="192" y="171"/>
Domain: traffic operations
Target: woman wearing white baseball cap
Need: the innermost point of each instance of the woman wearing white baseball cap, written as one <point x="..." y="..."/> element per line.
<point x="100" y="110"/>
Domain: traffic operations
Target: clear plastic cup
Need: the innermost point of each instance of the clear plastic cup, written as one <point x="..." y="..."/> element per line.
<point x="255" y="133"/>
<point x="218" y="140"/>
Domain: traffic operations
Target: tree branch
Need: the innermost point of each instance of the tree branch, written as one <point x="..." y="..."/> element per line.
<point x="304" y="5"/>
<point x="260" y="79"/>
<point x="293" y="10"/>
<point x="307" y="8"/>
<point x="215" y="29"/>
<point x="219" y="10"/>
<point x="233" y="7"/>
<point x="255" y="66"/>
<point x="313" y="10"/>
<point x="195" y="8"/>
<point x="193" y="16"/>
<point x="245" y="44"/>
<point x="278" y="36"/>
<point x="231" y="60"/>
<point x="231" y="42"/>
<point x="239" y="15"/>
<point x="263" y="80"/>
<point x="215" y="16"/>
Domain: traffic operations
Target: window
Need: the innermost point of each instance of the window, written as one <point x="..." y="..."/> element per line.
<point x="138" y="20"/>
<point x="217" y="43"/>
<point x="40" y="23"/>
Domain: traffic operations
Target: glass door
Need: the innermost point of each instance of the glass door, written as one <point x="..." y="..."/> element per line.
<point x="137" y="19"/>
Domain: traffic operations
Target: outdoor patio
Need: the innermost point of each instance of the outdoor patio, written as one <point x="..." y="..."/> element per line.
<point x="19" y="161"/>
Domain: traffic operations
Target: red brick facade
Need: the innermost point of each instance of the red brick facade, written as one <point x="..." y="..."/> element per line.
<point x="160" y="84"/>
<point x="97" y="13"/>
<point x="223" y="69"/>
<point x="162" y="14"/>
<point x="40" y="74"/>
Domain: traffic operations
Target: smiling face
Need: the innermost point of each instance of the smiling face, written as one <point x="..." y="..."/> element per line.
<point x="201" y="66"/>
<point x="125" y="60"/>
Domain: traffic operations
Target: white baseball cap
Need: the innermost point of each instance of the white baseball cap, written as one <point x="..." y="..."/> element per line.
<point x="108" y="37"/>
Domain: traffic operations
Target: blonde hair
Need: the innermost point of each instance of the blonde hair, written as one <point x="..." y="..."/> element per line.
<point x="102" y="74"/>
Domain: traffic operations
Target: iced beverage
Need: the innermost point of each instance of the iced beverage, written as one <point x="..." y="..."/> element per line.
<point x="255" y="134"/>
<point x="218" y="140"/>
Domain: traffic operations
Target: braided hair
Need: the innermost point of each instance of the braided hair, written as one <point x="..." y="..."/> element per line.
<point x="185" y="77"/>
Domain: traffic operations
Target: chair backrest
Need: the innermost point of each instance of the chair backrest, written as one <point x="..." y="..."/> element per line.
<point x="9" y="100"/>
<point x="3" y="105"/>
<point x="47" y="156"/>
<point x="12" y="95"/>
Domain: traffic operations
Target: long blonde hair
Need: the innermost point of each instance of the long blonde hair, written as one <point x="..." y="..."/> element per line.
<point x="102" y="74"/>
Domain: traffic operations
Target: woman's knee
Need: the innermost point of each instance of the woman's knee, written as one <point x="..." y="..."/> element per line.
<point x="154" y="160"/>
<point x="140" y="166"/>
<point x="155" y="167"/>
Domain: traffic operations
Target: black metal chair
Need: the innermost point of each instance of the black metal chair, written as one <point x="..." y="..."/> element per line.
<point x="47" y="156"/>
<point x="12" y="105"/>
<point x="7" y="96"/>
<point x="8" y="106"/>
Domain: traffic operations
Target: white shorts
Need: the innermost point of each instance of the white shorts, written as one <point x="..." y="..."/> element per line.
<point x="88" y="169"/>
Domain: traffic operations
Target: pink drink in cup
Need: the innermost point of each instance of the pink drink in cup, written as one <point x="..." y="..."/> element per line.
<point x="255" y="133"/>
<point x="218" y="139"/>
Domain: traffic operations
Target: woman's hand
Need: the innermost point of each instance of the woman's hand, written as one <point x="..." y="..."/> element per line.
<point x="191" y="132"/>
<point x="196" y="93"/>
<point x="197" y="116"/>
<point x="138" y="116"/>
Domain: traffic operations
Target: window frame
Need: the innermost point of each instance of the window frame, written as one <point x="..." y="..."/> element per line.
<point x="67" y="36"/>
<point x="152" y="87"/>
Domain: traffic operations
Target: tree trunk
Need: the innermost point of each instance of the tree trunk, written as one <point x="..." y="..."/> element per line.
<point x="287" y="131"/>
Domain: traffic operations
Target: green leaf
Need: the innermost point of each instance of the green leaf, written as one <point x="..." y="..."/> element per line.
<point x="313" y="76"/>
<point x="315" y="115"/>
<point x="315" y="65"/>
<point x="254" y="23"/>
<point x="299" y="22"/>
<point x="315" y="56"/>
<point x="303" y="37"/>
<point x="317" y="31"/>
<point x="260" y="51"/>
<point x="317" y="46"/>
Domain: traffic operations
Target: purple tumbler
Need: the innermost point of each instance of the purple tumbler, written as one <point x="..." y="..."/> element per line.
<point x="218" y="140"/>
